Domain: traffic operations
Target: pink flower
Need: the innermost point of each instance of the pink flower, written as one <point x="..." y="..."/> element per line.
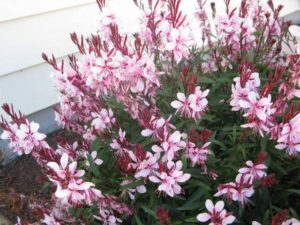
<point x="257" y="108"/>
<point x="70" y="187"/>
<point x="178" y="42"/>
<point x="243" y="188"/>
<point x="198" y="102"/>
<point x="240" y="93"/>
<point x="65" y="169"/>
<point x="169" y="180"/>
<point x="182" y="105"/>
<point x="172" y="144"/>
<point x="254" y="169"/>
<point x="30" y="137"/>
<point x="155" y="125"/>
<point x="120" y="144"/>
<point x="292" y="221"/>
<point x="103" y="120"/>
<point x="226" y="190"/>
<point x="217" y="214"/>
<point x="239" y="191"/>
<point x="107" y="217"/>
<point x="197" y="155"/>
<point x="192" y="106"/>
<point x="25" y="138"/>
<point x="259" y="112"/>
<point x="14" y="142"/>
<point x="50" y="220"/>
<point x="289" y="138"/>
<point x="93" y="155"/>
<point x="131" y="191"/>
<point x="144" y="167"/>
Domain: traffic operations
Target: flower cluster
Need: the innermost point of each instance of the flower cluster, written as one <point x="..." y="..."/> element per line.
<point x="71" y="189"/>
<point x="245" y="97"/>
<point x="243" y="187"/>
<point x="24" y="138"/>
<point x="192" y="106"/>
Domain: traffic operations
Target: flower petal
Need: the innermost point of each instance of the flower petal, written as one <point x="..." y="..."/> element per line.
<point x="209" y="205"/>
<point x="203" y="217"/>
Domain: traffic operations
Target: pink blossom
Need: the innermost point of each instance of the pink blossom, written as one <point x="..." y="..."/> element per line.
<point x="292" y="221"/>
<point x="182" y="105"/>
<point x="144" y="167"/>
<point x="30" y="135"/>
<point x="198" y="102"/>
<point x="70" y="187"/>
<point x="192" y="106"/>
<point x="217" y="214"/>
<point x="50" y="220"/>
<point x="239" y="191"/>
<point x="155" y="125"/>
<point x="96" y="160"/>
<point x="131" y="191"/>
<point x="103" y="120"/>
<point x="178" y="41"/>
<point x="120" y="144"/>
<point x="107" y="217"/>
<point x="289" y="138"/>
<point x="259" y="112"/>
<point x="169" y="180"/>
<point x="25" y="137"/>
<point x="244" y="188"/>
<point x="227" y="190"/>
<point x="240" y="93"/>
<point x="172" y="144"/>
<point x="257" y="170"/>
<point x="257" y="108"/>
<point x="197" y="155"/>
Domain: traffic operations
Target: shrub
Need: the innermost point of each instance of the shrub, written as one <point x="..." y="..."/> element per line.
<point x="171" y="132"/>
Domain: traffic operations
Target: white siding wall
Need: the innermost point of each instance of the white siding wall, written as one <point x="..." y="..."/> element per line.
<point x="30" y="27"/>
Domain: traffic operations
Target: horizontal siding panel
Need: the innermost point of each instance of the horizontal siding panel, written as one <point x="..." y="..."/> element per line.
<point x="15" y="9"/>
<point x="29" y="90"/>
<point x="23" y="41"/>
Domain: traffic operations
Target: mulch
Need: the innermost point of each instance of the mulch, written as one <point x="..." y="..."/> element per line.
<point x="21" y="183"/>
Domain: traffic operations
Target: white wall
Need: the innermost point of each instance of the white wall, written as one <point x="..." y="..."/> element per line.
<point x="30" y="27"/>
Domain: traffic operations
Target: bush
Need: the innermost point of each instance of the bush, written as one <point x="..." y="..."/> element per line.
<point x="165" y="127"/>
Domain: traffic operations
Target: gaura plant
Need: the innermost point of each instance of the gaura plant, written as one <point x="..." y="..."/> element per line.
<point x="168" y="131"/>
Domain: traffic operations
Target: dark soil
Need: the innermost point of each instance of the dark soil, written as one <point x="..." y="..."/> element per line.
<point x="21" y="183"/>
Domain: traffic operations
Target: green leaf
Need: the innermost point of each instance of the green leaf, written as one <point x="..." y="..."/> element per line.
<point x="149" y="211"/>
<point x="93" y="166"/>
<point x="193" y="201"/>
<point x="96" y="144"/>
<point x="206" y="80"/>
<point x="132" y="185"/>
<point x="266" y="218"/>
<point x="295" y="191"/>
<point x="234" y="134"/>
<point x="218" y="143"/>
<point x="138" y="220"/>
<point x="191" y="220"/>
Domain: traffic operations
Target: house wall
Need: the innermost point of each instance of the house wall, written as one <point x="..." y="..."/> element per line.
<point x="30" y="27"/>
